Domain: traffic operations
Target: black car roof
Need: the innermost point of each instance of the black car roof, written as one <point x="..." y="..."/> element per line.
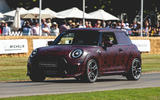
<point x="96" y="29"/>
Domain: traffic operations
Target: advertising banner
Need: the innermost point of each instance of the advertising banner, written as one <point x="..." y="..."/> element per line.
<point x="143" y="45"/>
<point x="40" y="42"/>
<point x="13" y="46"/>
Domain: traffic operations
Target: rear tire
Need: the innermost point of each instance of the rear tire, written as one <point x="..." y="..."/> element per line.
<point x="91" y="71"/>
<point x="135" y="71"/>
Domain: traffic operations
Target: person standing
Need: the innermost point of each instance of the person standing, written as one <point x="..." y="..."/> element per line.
<point x="49" y="23"/>
<point x="54" y="29"/>
<point x="45" y="30"/>
<point x="64" y="27"/>
<point x="26" y="29"/>
<point x="35" y="30"/>
<point x="6" y="30"/>
<point x="146" y="29"/>
<point x="98" y="24"/>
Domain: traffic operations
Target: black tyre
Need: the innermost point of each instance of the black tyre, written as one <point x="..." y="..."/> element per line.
<point x="37" y="76"/>
<point x="91" y="71"/>
<point x="135" y="70"/>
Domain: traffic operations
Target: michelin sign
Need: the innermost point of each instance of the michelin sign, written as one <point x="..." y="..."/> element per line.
<point x="13" y="46"/>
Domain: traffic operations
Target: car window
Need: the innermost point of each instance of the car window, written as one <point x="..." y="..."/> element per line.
<point x="67" y="39"/>
<point x="79" y="38"/>
<point x="123" y="38"/>
<point x="108" y="39"/>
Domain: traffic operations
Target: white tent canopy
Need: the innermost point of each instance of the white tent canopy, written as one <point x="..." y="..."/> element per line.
<point x="102" y="15"/>
<point x="49" y="11"/>
<point x="12" y="13"/>
<point x="34" y="13"/>
<point x="1" y="15"/>
<point x="74" y="13"/>
<point x="53" y="13"/>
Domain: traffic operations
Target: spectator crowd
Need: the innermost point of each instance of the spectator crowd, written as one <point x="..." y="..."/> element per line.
<point x="54" y="28"/>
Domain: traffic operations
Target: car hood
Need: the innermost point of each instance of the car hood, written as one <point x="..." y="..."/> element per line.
<point x="64" y="50"/>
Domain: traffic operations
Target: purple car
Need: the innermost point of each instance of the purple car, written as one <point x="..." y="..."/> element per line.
<point x="86" y="54"/>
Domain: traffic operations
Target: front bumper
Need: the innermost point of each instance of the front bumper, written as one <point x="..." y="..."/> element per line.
<point x="55" y="66"/>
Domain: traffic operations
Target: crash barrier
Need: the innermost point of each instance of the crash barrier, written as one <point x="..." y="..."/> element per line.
<point x="22" y="46"/>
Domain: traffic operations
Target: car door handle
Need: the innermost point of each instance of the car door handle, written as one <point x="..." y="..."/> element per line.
<point x="120" y="50"/>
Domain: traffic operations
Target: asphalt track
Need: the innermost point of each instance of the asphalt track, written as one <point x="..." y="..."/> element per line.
<point x="58" y="86"/>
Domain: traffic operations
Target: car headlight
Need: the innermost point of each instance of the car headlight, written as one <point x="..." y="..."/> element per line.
<point x="34" y="52"/>
<point x="76" y="53"/>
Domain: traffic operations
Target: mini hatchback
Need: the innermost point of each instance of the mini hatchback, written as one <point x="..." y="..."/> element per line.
<point x="86" y="54"/>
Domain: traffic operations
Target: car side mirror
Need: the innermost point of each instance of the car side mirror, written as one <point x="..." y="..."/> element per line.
<point x="50" y="43"/>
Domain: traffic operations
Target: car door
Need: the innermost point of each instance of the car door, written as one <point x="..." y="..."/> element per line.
<point x="112" y="53"/>
<point x="124" y="45"/>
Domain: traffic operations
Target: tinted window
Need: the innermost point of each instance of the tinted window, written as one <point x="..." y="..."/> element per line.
<point x="122" y="38"/>
<point x="108" y="39"/>
<point x="79" y="38"/>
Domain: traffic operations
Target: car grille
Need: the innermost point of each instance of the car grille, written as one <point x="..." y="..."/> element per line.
<point x="56" y="66"/>
<point x="52" y="65"/>
<point x="49" y="65"/>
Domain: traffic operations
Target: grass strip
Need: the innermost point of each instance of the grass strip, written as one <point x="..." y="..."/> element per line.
<point x="125" y="94"/>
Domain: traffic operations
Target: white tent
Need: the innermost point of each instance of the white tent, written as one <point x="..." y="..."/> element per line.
<point x="53" y="13"/>
<point x="102" y="15"/>
<point x="17" y="21"/>
<point x="1" y="15"/>
<point x="34" y="13"/>
<point x="49" y="11"/>
<point x="74" y="13"/>
<point x="12" y="13"/>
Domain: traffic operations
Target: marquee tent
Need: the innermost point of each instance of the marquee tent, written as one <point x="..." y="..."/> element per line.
<point x="102" y="15"/>
<point x="46" y="13"/>
<point x="74" y="13"/>
<point x="12" y="13"/>
<point x="1" y="15"/>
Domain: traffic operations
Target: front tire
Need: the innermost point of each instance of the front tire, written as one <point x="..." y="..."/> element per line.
<point x="135" y="70"/>
<point x="91" y="71"/>
<point x="37" y="76"/>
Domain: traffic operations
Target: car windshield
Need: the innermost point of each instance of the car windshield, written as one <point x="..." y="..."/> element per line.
<point x="79" y="38"/>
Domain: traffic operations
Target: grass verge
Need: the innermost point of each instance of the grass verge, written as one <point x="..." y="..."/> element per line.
<point x="125" y="94"/>
<point x="150" y="63"/>
<point x="14" y="68"/>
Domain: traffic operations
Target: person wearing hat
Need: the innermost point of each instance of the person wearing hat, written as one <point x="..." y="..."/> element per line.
<point x="1" y="26"/>
<point x="54" y="29"/>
